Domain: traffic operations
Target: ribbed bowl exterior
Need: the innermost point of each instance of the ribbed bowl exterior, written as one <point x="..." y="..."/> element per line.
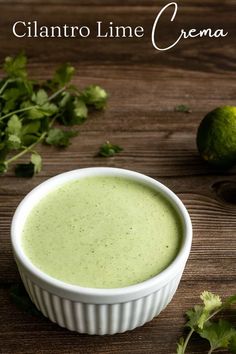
<point x="99" y="319"/>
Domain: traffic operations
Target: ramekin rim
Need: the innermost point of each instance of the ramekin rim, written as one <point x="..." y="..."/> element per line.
<point x="164" y="276"/>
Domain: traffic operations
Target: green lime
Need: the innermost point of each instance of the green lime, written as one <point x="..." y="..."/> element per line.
<point x="216" y="137"/>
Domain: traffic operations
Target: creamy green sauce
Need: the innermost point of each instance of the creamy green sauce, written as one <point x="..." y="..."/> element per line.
<point x="102" y="232"/>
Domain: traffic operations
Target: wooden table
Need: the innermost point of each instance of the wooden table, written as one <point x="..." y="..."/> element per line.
<point x="145" y="86"/>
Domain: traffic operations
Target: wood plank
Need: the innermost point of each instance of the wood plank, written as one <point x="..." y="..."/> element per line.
<point x="123" y="3"/>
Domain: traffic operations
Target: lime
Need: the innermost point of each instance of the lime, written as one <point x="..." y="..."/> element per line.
<point x="216" y="137"/>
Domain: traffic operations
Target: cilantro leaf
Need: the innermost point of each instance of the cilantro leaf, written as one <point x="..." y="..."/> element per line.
<point x="200" y="313"/>
<point x="58" y="137"/>
<point x="32" y="111"/>
<point x="14" y="125"/>
<point x="94" y="96"/>
<point x="212" y="303"/>
<point x="31" y="127"/>
<point x="20" y="297"/>
<point x="229" y="301"/>
<point x="193" y="316"/>
<point x="36" y="160"/>
<point x="35" y="113"/>
<point x="29" y="139"/>
<point x="30" y="132"/>
<point x="16" y="91"/>
<point x="8" y="106"/>
<point x="38" y="112"/>
<point x="13" y="94"/>
<point x="108" y="149"/>
<point x="180" y="346"/>
<point x="65" y="99"/>
<point x="24" y="170"/>
<point x="3" y="167"/>
<point x="63" y="75"/>
<point x="13" y="142"/>
<point x="219" y="334"/>
<point x="80" y="112"/>
<point x="40" y="97"/>
<point x="183" y="108"/>
<point x="232" y="344"/>
<point x="16" y="66"/>
<point x="49" y="109"/>
<point x="3" y="152"/>
<point x="75" y="112"/>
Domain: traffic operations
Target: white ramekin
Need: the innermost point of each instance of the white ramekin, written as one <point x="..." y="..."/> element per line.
<point x="90" y="310"/>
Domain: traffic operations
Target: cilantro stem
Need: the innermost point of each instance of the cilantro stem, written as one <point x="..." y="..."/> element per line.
<point x="18" y="111"/>
<point x="30" y="147"/>
<point x="192" y="331"/>
<point x="54" y="95"/>
<point x="5" y="85"/>
<point x="214" y="313"/>
<point x="27" y="149"/>
<point x="187" y="340"/>
<point x="33" y="106"/>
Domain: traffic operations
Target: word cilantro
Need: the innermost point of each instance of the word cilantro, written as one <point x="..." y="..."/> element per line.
<point x="30" y="109"/>
<point x="220" y="334"/>
<point x="108" y="149"/>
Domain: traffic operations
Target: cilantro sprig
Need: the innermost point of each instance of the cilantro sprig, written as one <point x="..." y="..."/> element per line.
<point x="220" y="334"/>
<point x="108" y="149"/>
<point x="31" y="112"/>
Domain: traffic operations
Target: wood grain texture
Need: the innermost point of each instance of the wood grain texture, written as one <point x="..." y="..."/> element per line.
<point x="145" y="86"/>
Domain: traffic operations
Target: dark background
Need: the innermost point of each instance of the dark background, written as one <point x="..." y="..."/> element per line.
<point x="144" y="86"/>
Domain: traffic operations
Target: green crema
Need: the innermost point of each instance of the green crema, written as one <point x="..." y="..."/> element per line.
<point x="102" y="232"/>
